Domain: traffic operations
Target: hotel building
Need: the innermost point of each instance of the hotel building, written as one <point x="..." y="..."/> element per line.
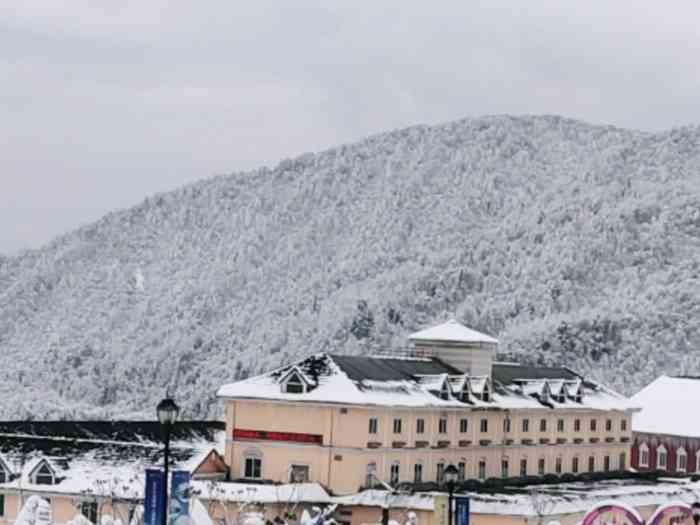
<point x="347" y="422"/>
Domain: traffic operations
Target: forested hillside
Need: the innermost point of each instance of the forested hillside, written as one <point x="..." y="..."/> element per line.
<point x="571" y="243"/>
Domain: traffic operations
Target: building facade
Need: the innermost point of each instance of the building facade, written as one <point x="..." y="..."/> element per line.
<point x="349" y="422"/>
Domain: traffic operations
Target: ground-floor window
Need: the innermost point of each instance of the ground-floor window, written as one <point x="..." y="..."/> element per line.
<point x="440" y="471"/>
<point x="370" y="474"/>
<point x="504" y="468"/>
<point x="253" y="467"/>
<point x="89" y="510"/>
<point x="557" y="466"/>
<point x="523" y="467"/>
<point x="591" y="464"/>
<point x="482" y="470"/>
<point x="462" y="470"/>
<point x="623" y="461"/>
<point x="574" y="465"/>
<point x="540" y="467"/>
<point x="2" y="504"/>
<point x="394" y="473"/>
<point x="418" y="472"/>
<point x="606" y="463"/>
<point x="299" y="474"/>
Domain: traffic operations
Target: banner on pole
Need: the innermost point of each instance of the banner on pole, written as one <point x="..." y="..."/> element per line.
<point x="440" y="514"/>
<point x="462" y="510"/>
<point x="180" y="498"/>
<point x="153" y="501"/>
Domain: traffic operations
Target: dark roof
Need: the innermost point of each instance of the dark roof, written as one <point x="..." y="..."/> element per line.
<point x="359" y="368"/>
<point x="123" y="431"/>
<point x="506" y="373"/>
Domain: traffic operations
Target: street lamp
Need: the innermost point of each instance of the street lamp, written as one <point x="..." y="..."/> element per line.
<point x="167" y="412"/>
<point x="450" y="477"/>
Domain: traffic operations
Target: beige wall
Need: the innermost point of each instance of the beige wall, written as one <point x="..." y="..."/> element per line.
<point x="341" y="462"/>
<point x="63" y="507"/>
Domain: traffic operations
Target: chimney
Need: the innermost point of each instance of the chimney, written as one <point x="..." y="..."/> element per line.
<point x="467" y="350"/>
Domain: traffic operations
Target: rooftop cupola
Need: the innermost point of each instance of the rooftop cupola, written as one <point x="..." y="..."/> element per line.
<point x="467" y="350"/>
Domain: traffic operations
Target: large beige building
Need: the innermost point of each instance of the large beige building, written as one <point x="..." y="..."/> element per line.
<point x="348" y="421"/>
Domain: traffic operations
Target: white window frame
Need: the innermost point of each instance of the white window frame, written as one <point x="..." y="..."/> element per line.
<point x="252" y="454"/>
<point x="294" y="373"/>
<point x="35" y="473"/>
<point x="644" y="455"/>
<point x="291" y="471"/>
<point x="373" y="425"/>
<point x="661" y="452"/>
<point x="370" y="473"/>
<point x="442" y="425"/>
<point x="681" y="453"/>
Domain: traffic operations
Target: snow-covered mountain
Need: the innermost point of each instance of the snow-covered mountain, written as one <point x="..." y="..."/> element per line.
<point x="571" y="243"/>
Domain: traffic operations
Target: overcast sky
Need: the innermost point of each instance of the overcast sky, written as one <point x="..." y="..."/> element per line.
<point x="103" y="103"/>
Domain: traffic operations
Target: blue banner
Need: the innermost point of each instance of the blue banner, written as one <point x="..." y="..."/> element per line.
<point x="462" y="510"/>
<point x="180" y="498"/>
<point x="153" y="502"/>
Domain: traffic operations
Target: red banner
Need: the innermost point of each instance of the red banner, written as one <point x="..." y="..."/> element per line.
<point x="239" y="433"/>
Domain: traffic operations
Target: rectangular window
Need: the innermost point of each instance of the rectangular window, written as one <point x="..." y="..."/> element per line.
<point x="623" y="461"/>
<point x="557" y="466"/>
<point x="526" y="425"/>
<point x="577" y="425"/>
<point x="397" y="426"/>
<point x="463" y="425"/>
<point x="418" y="472"/>
<point x="644" y="460"/>
<point x="484" y="425"/>
<point x="543" y="425"/>
<point x="594" y="425"/>
<point x="682" y="462"/>
<point x="2" y="505"/>
<point x="461" y="471"/>
<point x="523" y="467"/>
<point x="253" y="468"/>
<point x="440" y="471"/>
<point x="606" y="463"/>
<point x="373" y="425"/>
<point x="504" y="468"/>
<point x="506" y="425"/>
<point x="540" y="467"/>
<point x="591" y="464"/>
<point x="420" y="426"/>
<point x="482" y="470"/>
<point x="608" y="425"/>
<point x="299" y="474"/>
<point x="574" y="465"/>
<point x="442" y="425"/>
<point x="623" y="425"/>
<point x="560" y="425"/>
<point x="394" y="473"/>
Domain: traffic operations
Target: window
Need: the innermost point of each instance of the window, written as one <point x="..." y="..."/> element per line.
<point x="462" y="470"/>
<point x="252" y="467"/>
<point x="299" y="474"/>
<point x="482" y="470"/>
<point x="574" y="465"/>
<point x="506" y="425"/>
<point x="661" y="458"/>
<point x="643" y="455"/>
<point x="463" y="425"/>
<point x="623" y="425"/>
<point x="543" y="425"/>
<point x="89" y="510"/>
<point x="504" y="468"/>
<point x="594" y="425"/>
<point x="560" y="425"/>
<point x="294" y="385"/>
<point x="577" y="425"/>
<point x="623" y="462"/>
<point x="440" y="471"/>
<point x="591" y="463"/>
<point x="44" y="475"/>
<point x="394" y="473"/>
<point x="606" y="463"/>
<point x="557" y="466"/>
<point x="540" y="467"/>
<point x="370" y="474"/>
<point x="3" y="474"/>
<point x="526" y="425"/>
<point x="418" y="472"/>
<point x="484" y="425"/>
<point x="2" y="505"/>
<point x="420" y="426"/>
<point x="608" y="425"/>
<point x="681" y="460"/>
<point x="444" y="392"/>
<point x="486" y="394"/>
<point x="697" y="461"/>
<point x="442" y="425"/>
<point x="397" y="426"/>
<point x="373" y="425"/>
<point x="523" y="467"/>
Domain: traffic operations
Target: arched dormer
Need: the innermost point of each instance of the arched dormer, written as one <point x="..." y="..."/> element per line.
<point x="43" y="474"/>
<point x="681" y="460"/>
<point x="661" y="458"/>
<point x="294" y="382"/>
<point x="644" y="455"/>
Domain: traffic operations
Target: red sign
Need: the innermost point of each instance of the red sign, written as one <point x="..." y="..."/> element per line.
<point x="239" y="433"/>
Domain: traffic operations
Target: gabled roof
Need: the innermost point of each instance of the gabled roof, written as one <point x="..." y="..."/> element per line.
<point x="361" y="368"/>
<point x="454" y="332"/>
<point x="666" y="404"/>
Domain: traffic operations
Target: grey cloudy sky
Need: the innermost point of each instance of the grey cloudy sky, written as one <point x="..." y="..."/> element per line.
<point x="103" y="103"/>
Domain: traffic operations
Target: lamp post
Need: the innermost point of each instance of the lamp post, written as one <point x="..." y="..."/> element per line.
<point x="167" y="415"/>
<point x="449" y="477"/>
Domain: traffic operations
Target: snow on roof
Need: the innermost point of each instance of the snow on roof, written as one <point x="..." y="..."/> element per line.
<point x="665" y="404"/>
<point x="261" y="493"/>
<point x="565" y="498"/>
<point x="367" y="381"/>
<point x="452" y="331"/>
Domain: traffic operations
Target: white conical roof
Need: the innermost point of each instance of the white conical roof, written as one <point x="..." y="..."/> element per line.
<point x="452" y="331"/>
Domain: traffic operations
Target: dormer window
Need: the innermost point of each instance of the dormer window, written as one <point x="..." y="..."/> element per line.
<point x="445" y="392"/>
<point x="486" y="394"/>
<point x="43" y="475"/>
<point x="4" y="474"/>
<point x="294" y="383"/>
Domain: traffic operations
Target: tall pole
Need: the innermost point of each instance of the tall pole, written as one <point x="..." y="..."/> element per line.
<point x="451" y="489"/>
<point x="165" y="469"/>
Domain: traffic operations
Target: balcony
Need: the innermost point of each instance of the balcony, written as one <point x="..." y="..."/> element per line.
<point x="464" y="443"/>
<point x="544" y="441"/>
<point x="508" y="441"/>
<point x="484" y="442"/>
<point x="398" y="444"/>
<point x="442" y="444"/>
<point x="526" y="441"/>
<point x="609" y="439"/>
<point x="422" y="444"/>
<point x="561" y="441"/>
<point x="374" y="444"/>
